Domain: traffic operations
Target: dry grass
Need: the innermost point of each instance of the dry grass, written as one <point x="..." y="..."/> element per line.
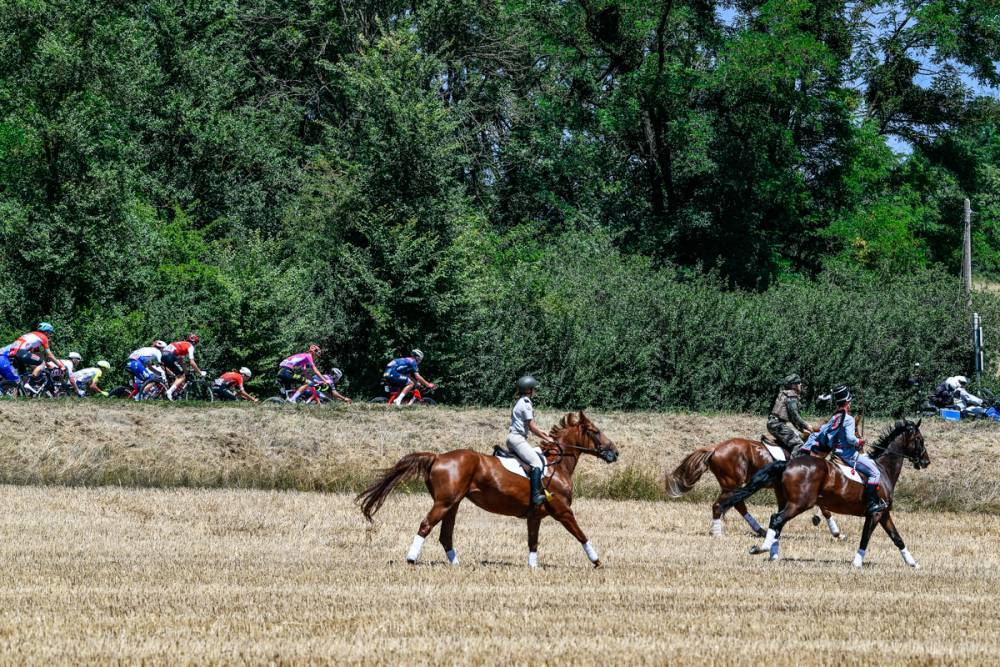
<point x="200" y="576"/>
<point x="338" y="449"/>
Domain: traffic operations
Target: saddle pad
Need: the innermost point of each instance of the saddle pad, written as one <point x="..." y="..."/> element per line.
<point x="849" y="472"/>
<point x="513" y="464"/>
<point x="777" y="453"/>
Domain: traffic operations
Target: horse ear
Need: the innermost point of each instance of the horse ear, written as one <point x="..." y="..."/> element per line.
<point x="570" y="419"/>
<point x="917" y="425"/>
<point x="583" y="418"/>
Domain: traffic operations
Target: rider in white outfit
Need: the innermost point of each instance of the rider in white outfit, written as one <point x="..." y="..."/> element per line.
<point x="522" y="422"/>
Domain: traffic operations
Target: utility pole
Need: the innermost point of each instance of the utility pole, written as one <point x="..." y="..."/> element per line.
<point x="967" y="251"/>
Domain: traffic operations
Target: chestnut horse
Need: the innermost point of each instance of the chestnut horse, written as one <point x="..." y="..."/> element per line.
<point x="464" y="473"/>
<point x="806" y="480"/>
<point x="733" y="462"/>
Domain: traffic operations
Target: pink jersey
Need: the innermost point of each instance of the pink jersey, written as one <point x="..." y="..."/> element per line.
<point x="30" y="341"/>
<point x="304" y="360"/>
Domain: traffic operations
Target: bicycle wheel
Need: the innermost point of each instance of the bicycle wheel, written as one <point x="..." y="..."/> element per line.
<point x="9" y="390"/>
<point x="121" y="391"/>
<point x="379" y="400"/>
<point x="152" y="390"/>
<point x="428" y="401"/>
<point x="275" y="400"/>
<point x="199" y="391"/>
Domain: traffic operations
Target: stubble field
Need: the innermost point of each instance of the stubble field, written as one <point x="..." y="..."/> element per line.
<point x="202" y="576"/>
<point x="99" y="570"/>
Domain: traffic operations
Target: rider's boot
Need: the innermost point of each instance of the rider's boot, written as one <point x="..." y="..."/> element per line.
<point x="537" y="494"/>
<point x="873" y="503"/>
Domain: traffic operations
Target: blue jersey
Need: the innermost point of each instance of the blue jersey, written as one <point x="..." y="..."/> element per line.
<point x="836" y="435"/>
<point x="404" y="367"/>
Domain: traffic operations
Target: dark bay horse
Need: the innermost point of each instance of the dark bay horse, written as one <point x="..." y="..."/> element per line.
<point x="733" y="462"/>
<point x="806" y="480"/>
<point x="464" y="473"/>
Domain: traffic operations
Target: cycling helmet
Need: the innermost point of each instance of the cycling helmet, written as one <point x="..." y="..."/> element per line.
<point x="245" y="372"/>
<point x="193" y="338"/>
<point x="961" y="380"/>
<point x="417" y="354"/>
<point x="526" y="382"/>
<point x="104" y="364"/>
<point x="75" y="356"/>
<point x="45" y="327"/>
<point x="335" y="375"/>
<point x="159" y="344"/>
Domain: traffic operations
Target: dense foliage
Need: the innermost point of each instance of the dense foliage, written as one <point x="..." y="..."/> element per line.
<point x="649" y="203"/>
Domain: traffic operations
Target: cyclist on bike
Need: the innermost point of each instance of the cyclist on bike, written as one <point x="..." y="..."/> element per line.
<point x="86" y="378"/>
<point x="22" y="351"/>
<point x="229" y="386"/>
<point x="402" y="375"/>
<point x="7" y="371"/>
<point x="292" y="370"/>
<point x="330" y="380"/>
<point x="172" y="356"/>
<point x="144" y="364"/>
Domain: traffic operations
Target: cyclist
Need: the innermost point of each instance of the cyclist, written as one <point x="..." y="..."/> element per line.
<point x="331" y="379"/>
<point x="86" y="378"/>
<point x="229" y="386"/>
<point x="291" y="371"/>
<point x="172" y="356"/>
<point x="144" y="364"/>
<point x="22" y="352"/>
<point x="402" y="375"/>
<point x="7" y="371"/>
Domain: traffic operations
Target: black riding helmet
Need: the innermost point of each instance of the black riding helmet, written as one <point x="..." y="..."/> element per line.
<point x="525" y="383"/>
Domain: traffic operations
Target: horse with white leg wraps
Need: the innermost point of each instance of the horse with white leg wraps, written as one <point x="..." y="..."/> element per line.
<point x="806" y="480"/>
<point x="454" y="476"/>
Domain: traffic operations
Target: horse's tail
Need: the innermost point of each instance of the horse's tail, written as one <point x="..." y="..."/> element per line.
<point x="411" y="465"/>
<point x="683" y="478"/>
<point x="766" y="476"/>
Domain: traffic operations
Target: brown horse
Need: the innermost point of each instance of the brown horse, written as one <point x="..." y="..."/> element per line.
<point x="464" y="473"/>
<point x="806" y="480"/>
<point x="733" y="462"/>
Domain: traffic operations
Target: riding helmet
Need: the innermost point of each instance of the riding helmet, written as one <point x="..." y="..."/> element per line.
<point x="526" y="382"/>
<point x="792" y="380"/>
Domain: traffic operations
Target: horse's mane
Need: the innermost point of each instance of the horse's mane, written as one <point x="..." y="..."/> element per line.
<point x="889" y="434"/>
<point x="568" y="421"/>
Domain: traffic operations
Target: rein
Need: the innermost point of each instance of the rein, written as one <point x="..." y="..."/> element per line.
<point x="912" y="458"/>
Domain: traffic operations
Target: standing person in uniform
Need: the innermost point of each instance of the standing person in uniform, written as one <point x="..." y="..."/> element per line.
<point x="522" y="422"/>
<point x="785" y="423"/>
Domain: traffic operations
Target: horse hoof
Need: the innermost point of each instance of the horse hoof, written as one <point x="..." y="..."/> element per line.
<point x="815" y="520"/>
<point x="411" y="562"/>
<point x="754" y="550"/>
<point x="597" y="564"/>
<point x="773" y="557"/>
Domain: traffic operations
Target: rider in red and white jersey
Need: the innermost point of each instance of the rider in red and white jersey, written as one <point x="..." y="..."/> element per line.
<point x="172" y="356"/>
<point x="23" y="351"/>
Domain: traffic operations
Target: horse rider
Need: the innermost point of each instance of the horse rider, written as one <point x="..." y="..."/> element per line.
<point x="522" y="422"/>
<point x="785" y="423"/>
<point x="839" y="434"/>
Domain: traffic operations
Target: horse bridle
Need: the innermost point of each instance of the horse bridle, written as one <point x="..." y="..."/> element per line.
<point x="915" y="458"/>
<point x="598" y="447"/>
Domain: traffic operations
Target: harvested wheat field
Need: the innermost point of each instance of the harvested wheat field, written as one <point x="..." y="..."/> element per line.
<point x="203" y="576"/>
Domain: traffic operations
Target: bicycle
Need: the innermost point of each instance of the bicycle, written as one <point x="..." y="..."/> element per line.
<point x="416" y="397"/>
<point x="196" y="388"/>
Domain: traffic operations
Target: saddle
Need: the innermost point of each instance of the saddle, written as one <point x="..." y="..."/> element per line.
<point x="515" y="465"/>
<point x="777" y="452"/>
<point x="849" y="472"/>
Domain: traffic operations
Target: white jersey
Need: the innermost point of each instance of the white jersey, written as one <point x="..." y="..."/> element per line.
<point x="67" y="363"/>
<point x="522" y="413"/>
<point x="87" y="375"/>
<point x="146" y="355"/>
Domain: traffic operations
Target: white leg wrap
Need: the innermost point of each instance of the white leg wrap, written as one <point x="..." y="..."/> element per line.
<point x="532" y="559"/>
<point x="590" y="551"/>
<point x="832" y="525"/>
<point x="859" y="558"/>
<point x="414" y="553"/>
<point x="752" y="522"/>
<point x="716" y="527"/>
<point x="452" y="556"/>
<point x="769" y="539"/>
<point x="907" y="558"/>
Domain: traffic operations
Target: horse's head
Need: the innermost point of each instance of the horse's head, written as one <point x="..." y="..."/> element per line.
<point x="578" y="432"/>
<point x="904" y="439"/>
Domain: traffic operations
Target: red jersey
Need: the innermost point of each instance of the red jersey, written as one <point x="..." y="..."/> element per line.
<point x="30" y="341"/>
<point x="182" y="349"/>
<point x="232" y="379"/>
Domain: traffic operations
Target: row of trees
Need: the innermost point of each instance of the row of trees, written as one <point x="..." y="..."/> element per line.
<point x="465" y="174"/>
